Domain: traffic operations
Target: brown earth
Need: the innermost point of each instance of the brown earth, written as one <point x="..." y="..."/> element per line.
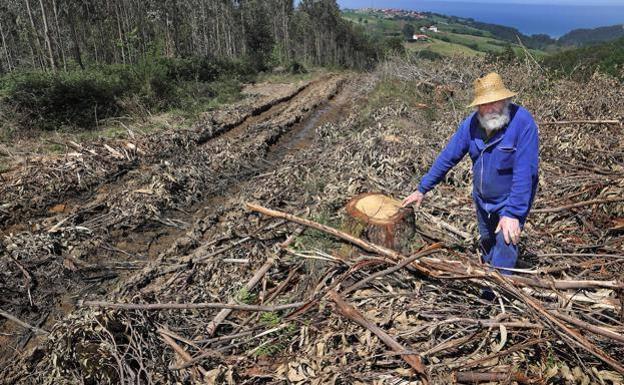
<point x="167" y="225"/>
<point x="136" y="199"/>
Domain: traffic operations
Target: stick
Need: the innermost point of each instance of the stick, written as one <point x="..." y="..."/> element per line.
<point x="561" y="122"/>
<point x="204" y="305"/>
<point x="23" y="324"/>
<point x="429" y="250"/>
<point x="430" y="266"/>
<point x="186" y="357"/>
<point x="223" y="314"/>
<point x="450" y="344"/>
<point x="339" y="234"/>
<point x="580" y="255"/>
<point x="371" y="247"/>
<point x="564" y="331"/>
<point x="586" y="325"/>
<point x="456" y="267"/>
<point x="502" y="353"/>
<point x="504" y="377"/>
<point x="350" y="312"/>
<point x="578" y="204"/>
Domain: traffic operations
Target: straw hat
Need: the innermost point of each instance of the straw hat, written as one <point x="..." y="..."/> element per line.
<point x="490" y="88"/>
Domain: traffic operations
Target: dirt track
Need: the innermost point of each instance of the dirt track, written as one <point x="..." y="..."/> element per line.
<point x="111" y="207"/>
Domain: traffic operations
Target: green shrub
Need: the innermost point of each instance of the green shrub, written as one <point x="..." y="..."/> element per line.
<point x="78" y="99"/>
<point x="48" y="101"/>
<point x="582" y="62"/>
<point x="297" y="68"/>
<point x="428" y="54"/>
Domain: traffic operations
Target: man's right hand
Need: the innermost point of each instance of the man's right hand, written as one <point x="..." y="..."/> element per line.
<point x="415" y="198"/>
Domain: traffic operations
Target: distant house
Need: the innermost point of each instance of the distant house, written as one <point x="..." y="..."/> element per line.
<point x="431" y="28"/>
<point x="418" y="37"/>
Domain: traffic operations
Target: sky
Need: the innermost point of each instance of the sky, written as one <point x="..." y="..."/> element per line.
<point x="366" y="3"/>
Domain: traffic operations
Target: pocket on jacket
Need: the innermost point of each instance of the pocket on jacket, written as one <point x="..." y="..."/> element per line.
<point x="505" y="158"/>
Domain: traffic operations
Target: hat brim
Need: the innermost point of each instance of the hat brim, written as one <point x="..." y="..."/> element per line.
<point x="492" y="97"/>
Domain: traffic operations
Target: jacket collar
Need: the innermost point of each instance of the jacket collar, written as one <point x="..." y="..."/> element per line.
<point x="479" y="132"/>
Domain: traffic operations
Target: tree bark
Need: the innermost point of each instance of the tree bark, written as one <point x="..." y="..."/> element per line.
<point x="59" y="46"/>
<point x="349" y="311"/>
<point x="34" y="33"/>
<point x="75" y="42"/>
<point x="47" y="37"/>
<point x="5" y="48"/>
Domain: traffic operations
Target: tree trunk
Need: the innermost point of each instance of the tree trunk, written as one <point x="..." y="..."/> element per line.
<point x="59" y="46"/>
<point x="37" y="43"/>
<point x="76" y="45"/>
<point x="382" y="220"/>
<point x="6" y="50"/>
<point x="46" y="34"/>
<point x="120" y="34"/>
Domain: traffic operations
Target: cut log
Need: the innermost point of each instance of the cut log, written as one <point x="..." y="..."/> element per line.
<point x="385" y="222"/>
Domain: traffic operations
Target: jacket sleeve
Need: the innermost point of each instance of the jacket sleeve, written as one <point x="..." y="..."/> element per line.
<point x="525" y="174"/>
<point x="449" y="157"/>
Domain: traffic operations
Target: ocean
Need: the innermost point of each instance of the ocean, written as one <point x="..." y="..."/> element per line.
<point x="553" y="20"/>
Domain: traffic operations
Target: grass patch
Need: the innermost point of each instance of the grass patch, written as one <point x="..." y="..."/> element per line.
<point x="245" y="296"/>
<point x="391" y="92"/>
<point x="443" y="48"/>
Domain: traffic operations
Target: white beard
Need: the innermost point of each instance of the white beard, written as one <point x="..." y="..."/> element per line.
<point x="494" y="121"/>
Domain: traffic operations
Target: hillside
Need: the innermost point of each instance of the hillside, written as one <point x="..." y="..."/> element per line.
<point x="453" y="36"/>
<point x="584" y="61"/>
<point x="578" y="37"/>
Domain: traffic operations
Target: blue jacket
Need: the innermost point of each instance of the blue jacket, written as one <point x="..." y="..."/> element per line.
<point x="505" y="167"/>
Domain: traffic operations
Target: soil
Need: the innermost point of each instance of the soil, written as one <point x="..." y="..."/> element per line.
<point x="161" y="218"/>
<point x="292" y="112"/>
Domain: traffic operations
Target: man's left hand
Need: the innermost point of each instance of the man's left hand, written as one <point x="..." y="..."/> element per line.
<point x="510" y="228"/>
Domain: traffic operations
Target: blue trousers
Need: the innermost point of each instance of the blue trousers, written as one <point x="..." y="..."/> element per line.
<point x="494" y="250"/>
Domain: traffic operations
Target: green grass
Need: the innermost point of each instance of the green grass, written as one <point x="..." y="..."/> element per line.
<point x="286" y="77"/>
<point x="454" y="38"/>
<point x="443" y="48"/>
<point x="389" y="92"/>
<point x="483" y="44"/>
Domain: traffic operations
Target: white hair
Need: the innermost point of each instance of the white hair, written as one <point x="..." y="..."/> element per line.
<point x="495" y="121"/>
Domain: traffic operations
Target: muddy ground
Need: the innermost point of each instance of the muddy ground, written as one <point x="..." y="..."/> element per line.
<point x="80" y="222"/>
<point x="161" y="219"/>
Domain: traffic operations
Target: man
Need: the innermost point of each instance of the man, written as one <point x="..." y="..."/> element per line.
<point x="502" y="140"/>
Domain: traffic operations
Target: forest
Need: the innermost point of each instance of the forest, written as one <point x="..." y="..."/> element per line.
<point x="72" y="63"/>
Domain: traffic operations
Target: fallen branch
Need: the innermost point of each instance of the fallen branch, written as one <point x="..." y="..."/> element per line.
<point x="23" y="324"/>
<point x="592" y="255"/>
<point x="330" y="230"/>
<point x="587" y="326"/>
<point x="184" y="355"/>
<point x="450" y="344"/>
<point x="562" y="122"/>
<point x="458" y="268"/>
<point x="431" y="267"/>
<point x="350" y="312"/>
<point x="558" y="326"/>
<point x="223" y="314"/>
<point x="578" y="204"/>
<point x="502" y="353"/>
<point x="170" y="306"/>
<point x="428" y="250"/>
<point x="478" y="377"/>
<point x="371" y="247"/>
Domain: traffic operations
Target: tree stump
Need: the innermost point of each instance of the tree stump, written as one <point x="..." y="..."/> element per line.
<point x="384" y="221"/>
